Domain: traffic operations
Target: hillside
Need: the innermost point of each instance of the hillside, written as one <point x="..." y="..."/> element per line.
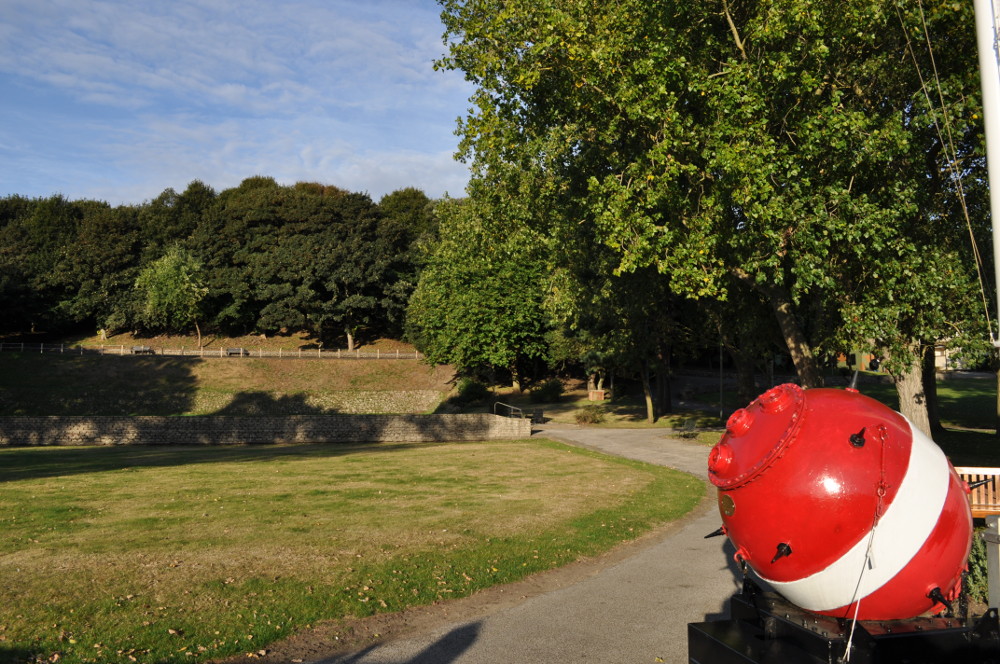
<point x="52" y="384"/>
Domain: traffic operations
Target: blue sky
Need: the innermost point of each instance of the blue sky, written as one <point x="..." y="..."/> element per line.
<point x="117" y="100"/>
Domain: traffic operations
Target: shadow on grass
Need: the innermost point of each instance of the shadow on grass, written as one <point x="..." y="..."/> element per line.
<point x="95" y="385"/>
<point x="24" y="463"/>
<point x="14" y="655"/>
<point x="965" y="447"/>
<point x="250" y="404"/>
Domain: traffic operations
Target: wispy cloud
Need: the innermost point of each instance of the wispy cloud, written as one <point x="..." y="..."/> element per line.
<point x="119" y="99"/>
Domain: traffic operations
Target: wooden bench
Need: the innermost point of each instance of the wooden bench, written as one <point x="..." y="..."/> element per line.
<point x="985" y="498"/>
<point x="143" y="350"/>
<point x="238" y="352"/>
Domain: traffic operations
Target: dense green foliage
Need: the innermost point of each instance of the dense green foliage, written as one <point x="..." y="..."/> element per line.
<point x="650" y="181"/>
<point x="785" y="152"/>
<point x="260" y="258"/>
<point x="171" y="290"/>
<point x="478" y="304"/>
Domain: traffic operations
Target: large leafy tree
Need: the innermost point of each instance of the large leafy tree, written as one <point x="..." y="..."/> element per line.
<point x="779" y="143"/>
<point x="360" y="263"/>
<point x="411" y="210"/>
<point x="478" y="305"/>
<point x="34" y="240"/>
<point x="17" y="298"/>
<point x="171" y="217"/>
<point x="308" y="256"/>
<point x="171" y="291"/>
<point x="626" y="323"/>
<point x="98" y="268"/>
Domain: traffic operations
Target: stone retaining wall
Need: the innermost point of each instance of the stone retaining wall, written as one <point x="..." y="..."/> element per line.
<point x="221" y="430"/>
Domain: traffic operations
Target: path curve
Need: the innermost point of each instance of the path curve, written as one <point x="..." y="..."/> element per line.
<point x="635" y="610"/>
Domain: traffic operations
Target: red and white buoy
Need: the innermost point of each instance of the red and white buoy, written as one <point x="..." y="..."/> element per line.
<point x="841" y="505"/>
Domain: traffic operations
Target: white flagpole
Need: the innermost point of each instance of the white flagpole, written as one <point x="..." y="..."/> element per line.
<point x="989" y="74"/>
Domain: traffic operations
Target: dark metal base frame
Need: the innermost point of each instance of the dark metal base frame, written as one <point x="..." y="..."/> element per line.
<point x="766" y="629"/>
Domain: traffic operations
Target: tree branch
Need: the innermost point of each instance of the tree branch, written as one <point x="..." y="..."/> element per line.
<point x="732" y="28"/>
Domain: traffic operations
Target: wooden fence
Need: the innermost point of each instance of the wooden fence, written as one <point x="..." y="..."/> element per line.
<point x="120" y="349"/>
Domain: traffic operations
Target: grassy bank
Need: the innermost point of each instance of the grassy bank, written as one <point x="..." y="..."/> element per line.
<point x="179" y="555"/>
<point x="141" y="385"/>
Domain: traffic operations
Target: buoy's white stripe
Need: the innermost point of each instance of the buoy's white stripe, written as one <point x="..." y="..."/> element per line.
<point x="902" y="531"/>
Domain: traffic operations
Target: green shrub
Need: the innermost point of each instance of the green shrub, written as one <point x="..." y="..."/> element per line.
<point x="590" y="415"/>
<point x="547" y="392"/>
<point x="472" y="391"/>
<point x="975" y="582"/>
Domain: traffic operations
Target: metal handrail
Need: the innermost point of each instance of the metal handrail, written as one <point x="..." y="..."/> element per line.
<point x="512" y="409"/>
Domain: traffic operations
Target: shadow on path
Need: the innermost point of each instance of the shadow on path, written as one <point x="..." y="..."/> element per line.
<point x="446" y="649"/>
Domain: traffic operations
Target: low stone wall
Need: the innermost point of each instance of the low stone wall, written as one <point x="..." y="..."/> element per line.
<point x="221" y="430"/>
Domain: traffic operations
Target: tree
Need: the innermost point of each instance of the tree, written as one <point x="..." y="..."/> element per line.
<point x="309" y="256"/>
<point x="407" y="231"/>
<point x="171" y="217"/>
<point x="364" y="268"/>
<point x="33" y="241"/>
<point x="171" y="292"/>
<point x="411" y="210"/>
<point x="780" y="143"/>
<point x="97" y="270"/>
<point x="236" y="220"/>
<point x="627" y="323"/>
<point x="478" y="305"/>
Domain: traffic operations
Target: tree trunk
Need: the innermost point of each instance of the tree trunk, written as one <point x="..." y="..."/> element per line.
<point x="802" y="357"/>
<point x="798" y="347"/>
<point x="198" y="330"/>
<point x="515" y="378"/>
<point x="929" y="381"/>
<point x="746" y="384"/>
<point x="666" y="404"/>
<point x="350" y="340"/>
<point x="912" y="399"/>
<point x="648" y="393"/>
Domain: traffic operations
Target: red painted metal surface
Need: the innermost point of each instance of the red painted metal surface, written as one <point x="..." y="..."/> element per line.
<point x="811" y="493"/>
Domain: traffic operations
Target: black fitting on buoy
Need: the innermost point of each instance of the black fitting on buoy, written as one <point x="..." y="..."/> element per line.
<point x="938" y="597"/>
<point x="783" y="550"/>
<point x="858" y="439"/>
<point x="716" y="533"/>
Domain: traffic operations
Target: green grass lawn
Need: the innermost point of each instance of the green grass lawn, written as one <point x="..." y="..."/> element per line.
<point x="184" y="554"/>
<point x="968" y="403"/>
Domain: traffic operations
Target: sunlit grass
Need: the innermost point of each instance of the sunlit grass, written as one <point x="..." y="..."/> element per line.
<point x="183" y="554"/>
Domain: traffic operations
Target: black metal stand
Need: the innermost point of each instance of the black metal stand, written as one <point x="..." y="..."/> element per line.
<point x="766" y="629"/>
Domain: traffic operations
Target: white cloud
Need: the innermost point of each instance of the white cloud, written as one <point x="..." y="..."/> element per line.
<point x="129" y="97"/>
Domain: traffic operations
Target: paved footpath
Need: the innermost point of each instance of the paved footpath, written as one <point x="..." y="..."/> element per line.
<point x="636" y="610"/>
